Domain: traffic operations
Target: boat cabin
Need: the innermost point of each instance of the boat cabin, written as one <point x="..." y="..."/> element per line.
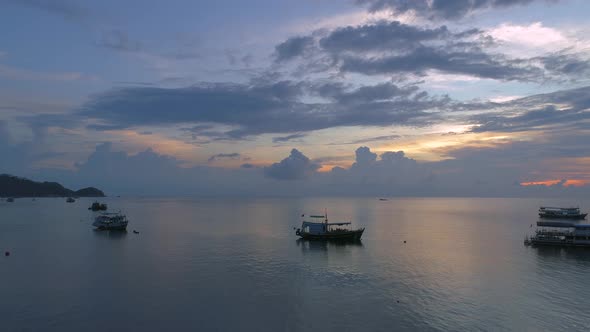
<point x="563" y="233"/>
<point x="320" y="228"/>
<point x="317" y="228"/>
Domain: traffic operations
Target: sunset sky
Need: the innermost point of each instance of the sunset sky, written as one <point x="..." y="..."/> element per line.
<point x="274" y="97"/>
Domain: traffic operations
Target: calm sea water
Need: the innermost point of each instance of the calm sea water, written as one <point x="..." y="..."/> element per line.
<point x="235" y="265"/>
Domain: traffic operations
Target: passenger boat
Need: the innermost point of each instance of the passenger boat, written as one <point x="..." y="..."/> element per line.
<point x="560" y="234"/>
<point x="323" y="230"/>
<point x="561" y="213"/>
<point x="110" y="221"/>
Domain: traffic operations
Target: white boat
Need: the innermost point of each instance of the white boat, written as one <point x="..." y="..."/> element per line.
<point x="560" y="234"/>
<point x="561" y="213"/>
<point x="111" y="221"/>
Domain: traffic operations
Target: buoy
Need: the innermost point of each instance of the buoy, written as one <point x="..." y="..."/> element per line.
<point x="7" y="253"/>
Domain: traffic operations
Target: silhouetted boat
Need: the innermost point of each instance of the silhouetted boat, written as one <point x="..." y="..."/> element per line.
<point x="96" y="206"/>
<point x="110" y="221"/>
<point x="548" y="212"/>
<point x="70" y="200"/>
<point x="323" y="230"/>
<point x="557" y="233"/>
<point x="383" y="199"/>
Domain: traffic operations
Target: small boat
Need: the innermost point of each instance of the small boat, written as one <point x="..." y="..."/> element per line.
<point x="555" y="233"/>
<point x="96" y="206"/>
<point x="10" y="199"/>
<point x="110" y="221"/>
<point x="548" y="212"/>
<point x="383" y="199"/>
<point x="70" y="200"/>
<point x="323" y="230"/>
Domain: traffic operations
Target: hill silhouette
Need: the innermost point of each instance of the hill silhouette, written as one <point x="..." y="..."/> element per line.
<point x="13" y="186"/>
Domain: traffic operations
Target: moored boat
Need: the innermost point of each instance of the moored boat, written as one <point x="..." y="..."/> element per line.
<point x="10" y="199"/>
<point x="323" y="230"/>
<point x="96" y="206"/>
<point x="557" y="233"/>
<point x="549" y="212"/>
<point x="110" y="221"/>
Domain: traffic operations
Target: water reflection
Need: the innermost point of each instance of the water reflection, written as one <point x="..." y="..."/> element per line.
<point x="324" y="245"/>
<point x="558" y="253"/>
<point x="112" y="234"/>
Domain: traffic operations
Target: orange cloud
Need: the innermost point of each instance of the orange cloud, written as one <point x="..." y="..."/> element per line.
<point x="546" y="183"/>
<point x="576" y="183"/>
<point x="566" y="183"/>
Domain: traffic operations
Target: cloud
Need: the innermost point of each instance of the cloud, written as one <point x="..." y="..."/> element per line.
<point x="293" y="47"/>
<point x="260" y="108"/>
<point x="295" y="167"/>
<point x="561" y="110"/>
<point x="441" y="9"/>
<point x="392" y="48"/>
<point x="67" y="9"/>
<point x="218" y="156"/>
<point x="468" y="62"/>
<point x="283" y="139"/>
<point x="495" y="171"/>
<point x="395" y="48"/>
<point x="371" y="139"/>
<point x="118" y="40"/>
<point x="380" y="36"/>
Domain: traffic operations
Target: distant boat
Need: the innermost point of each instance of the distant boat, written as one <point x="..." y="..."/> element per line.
<point x="561" y="213"/>
<point x="96" y="206"/>
<point x="70" y="200"/>
<point x="10" y="199"/>
<point x="383" y="199"/>
<point x="110" y="221"/>
<point x="323" y="230"/>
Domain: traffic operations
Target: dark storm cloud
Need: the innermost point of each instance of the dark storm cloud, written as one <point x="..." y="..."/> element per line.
<point x="441" y="9"/>
<point x="258" y="109"/>
<point x="295" y="167"/>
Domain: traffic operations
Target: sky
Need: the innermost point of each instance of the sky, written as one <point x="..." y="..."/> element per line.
<point x="297" y="98"/>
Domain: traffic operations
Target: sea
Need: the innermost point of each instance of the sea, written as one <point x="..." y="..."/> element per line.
<point x="235" y="264"/>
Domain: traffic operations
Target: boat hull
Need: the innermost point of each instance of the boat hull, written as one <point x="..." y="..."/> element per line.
<point x="112" y="228"/>
<point x="561" y="243"/>
<point x="351" y="235"/>
<point x="570" y="217"/>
